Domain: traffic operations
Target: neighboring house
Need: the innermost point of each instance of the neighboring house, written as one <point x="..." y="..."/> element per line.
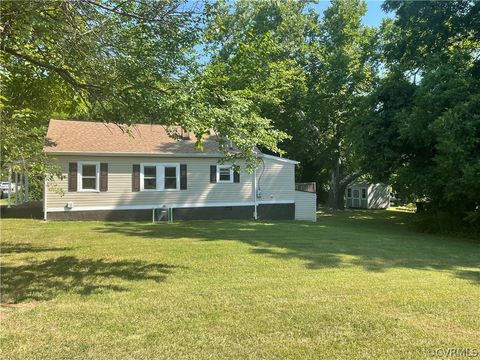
<point x="111" y="173"/>
<point x="367" y="196"/>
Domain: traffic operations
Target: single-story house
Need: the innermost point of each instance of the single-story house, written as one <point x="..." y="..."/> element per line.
<point x="366" y="195"/>
<point x="138" y="173"/>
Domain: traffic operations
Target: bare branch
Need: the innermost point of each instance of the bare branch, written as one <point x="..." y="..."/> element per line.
<point x="119" y="11"/>
<point x="350" y="177"/>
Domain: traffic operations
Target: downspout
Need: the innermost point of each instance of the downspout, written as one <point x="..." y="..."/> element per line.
<point x="45" y="198"/>
<point x="255" y="212"/>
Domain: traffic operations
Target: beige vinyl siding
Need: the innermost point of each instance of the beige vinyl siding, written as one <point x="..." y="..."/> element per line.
<point x="305" y="206"/>
<point x="277" y="183"/>
<point x="276" y="180"/>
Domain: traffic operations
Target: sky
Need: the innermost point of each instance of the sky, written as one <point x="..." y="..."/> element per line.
<point x="373" y="16"/>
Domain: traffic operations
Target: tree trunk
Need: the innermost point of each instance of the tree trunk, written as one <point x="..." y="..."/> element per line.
<point x="335" y="195"/>
<point x="338" y="184"/>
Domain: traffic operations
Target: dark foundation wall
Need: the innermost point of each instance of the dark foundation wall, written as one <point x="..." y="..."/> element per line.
<point x="276" y="212"/>
<point x="102" y="215"/>
<point x="265" y="212"/>
<point x="30" y="210"/>
<point x="214" y="213"/>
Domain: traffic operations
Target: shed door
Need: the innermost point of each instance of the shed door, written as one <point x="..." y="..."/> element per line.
<point x="356" y="198"/>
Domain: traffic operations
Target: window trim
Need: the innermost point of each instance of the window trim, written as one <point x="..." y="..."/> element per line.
<point x="142" y="177"/>
<point x="160" y="172"/>
<point x="177" y="177"/>
<point x="80" y="176"/>
<point x="349" y="193"/>
<point x="224" y="167"/>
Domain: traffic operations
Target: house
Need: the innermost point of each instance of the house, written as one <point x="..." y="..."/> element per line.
<point x="140" y="172"/>
<point x="366" y="195"/>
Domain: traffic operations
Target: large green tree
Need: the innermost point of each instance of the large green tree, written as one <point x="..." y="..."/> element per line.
<point x="422" y="132"/>
<point x="309" y="75"/>
<point x="254" y="48"/>
<point x="341" y="70"/>
<point x="119" y="61"/>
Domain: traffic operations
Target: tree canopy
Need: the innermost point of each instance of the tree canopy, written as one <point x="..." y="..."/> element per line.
<point x="422" y="131"/>
<point x="397" y="104"/>
<point x="117" y="61"/>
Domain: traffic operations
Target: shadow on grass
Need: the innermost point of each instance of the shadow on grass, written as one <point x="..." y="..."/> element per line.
<point x="68" y="274"/>
<point x="375" y="241"/>
<point x="18" y="248"/>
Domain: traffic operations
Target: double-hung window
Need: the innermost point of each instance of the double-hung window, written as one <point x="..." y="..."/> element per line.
<point x="170" y="181"/>
<point x="88" y="176"/>
<point x="159" y="177"/>
<point x="224" y="173"/>
<point x="150" y="177"/>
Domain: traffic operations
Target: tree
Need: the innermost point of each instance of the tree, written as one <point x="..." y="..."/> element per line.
<point x="422" y="132"/>
<point x="117" y="61"/>
<point x="308" y="75"/>
<point x="341" y="71"/>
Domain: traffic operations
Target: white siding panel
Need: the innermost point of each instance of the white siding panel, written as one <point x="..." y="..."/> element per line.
<point x="378" y="196"/>
<point x="305" y="206"/>
<point x="276" y="182"/>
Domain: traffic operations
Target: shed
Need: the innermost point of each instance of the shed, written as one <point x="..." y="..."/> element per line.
<point x="364" y="195"/>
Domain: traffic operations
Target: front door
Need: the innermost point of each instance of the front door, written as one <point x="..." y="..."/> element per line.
<point x="356" y="198"/>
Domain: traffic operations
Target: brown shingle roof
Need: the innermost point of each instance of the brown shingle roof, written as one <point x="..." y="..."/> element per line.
<point x="98" y="137"/>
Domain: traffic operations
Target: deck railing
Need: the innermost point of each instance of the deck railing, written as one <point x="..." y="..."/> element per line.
<point x="307" y="187"/>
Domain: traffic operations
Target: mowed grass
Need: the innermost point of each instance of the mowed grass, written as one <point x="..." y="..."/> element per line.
<point x="354" y="285"/>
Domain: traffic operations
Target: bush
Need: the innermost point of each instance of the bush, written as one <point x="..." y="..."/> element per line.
<point x="439" y="221"/>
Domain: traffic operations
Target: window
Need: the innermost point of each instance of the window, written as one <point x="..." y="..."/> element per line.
<point x="88" y="176"/>
<point x="364" y="193"/>
<point x="149" y="177"/>
<point x="159" y="177"/>
<point x="349" y="192"/>
<point x="170" y="177"/>
<point x="224" y="173"/>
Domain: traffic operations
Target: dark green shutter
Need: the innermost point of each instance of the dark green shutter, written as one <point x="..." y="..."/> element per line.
<point x="236" y="176"/>
<point x="72" y="176"/>
<point x="213" y="173"/>
<point x="136" y="177"/>
<point x="103" y="177"/>
<point x="183" y="176"/>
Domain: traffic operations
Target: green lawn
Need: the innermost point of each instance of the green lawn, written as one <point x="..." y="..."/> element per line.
<point x="4" y="201"/>
<point x="355" y="285"/>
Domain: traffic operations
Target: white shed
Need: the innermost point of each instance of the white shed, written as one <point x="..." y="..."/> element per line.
<point x="366" y="195"/>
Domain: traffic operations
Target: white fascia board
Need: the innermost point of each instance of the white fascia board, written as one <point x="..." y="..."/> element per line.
<point x="278" y="158"/>
<point x="173" y="155"/>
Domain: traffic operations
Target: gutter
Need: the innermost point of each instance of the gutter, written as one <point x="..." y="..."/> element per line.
<point x="173" y="155"/>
